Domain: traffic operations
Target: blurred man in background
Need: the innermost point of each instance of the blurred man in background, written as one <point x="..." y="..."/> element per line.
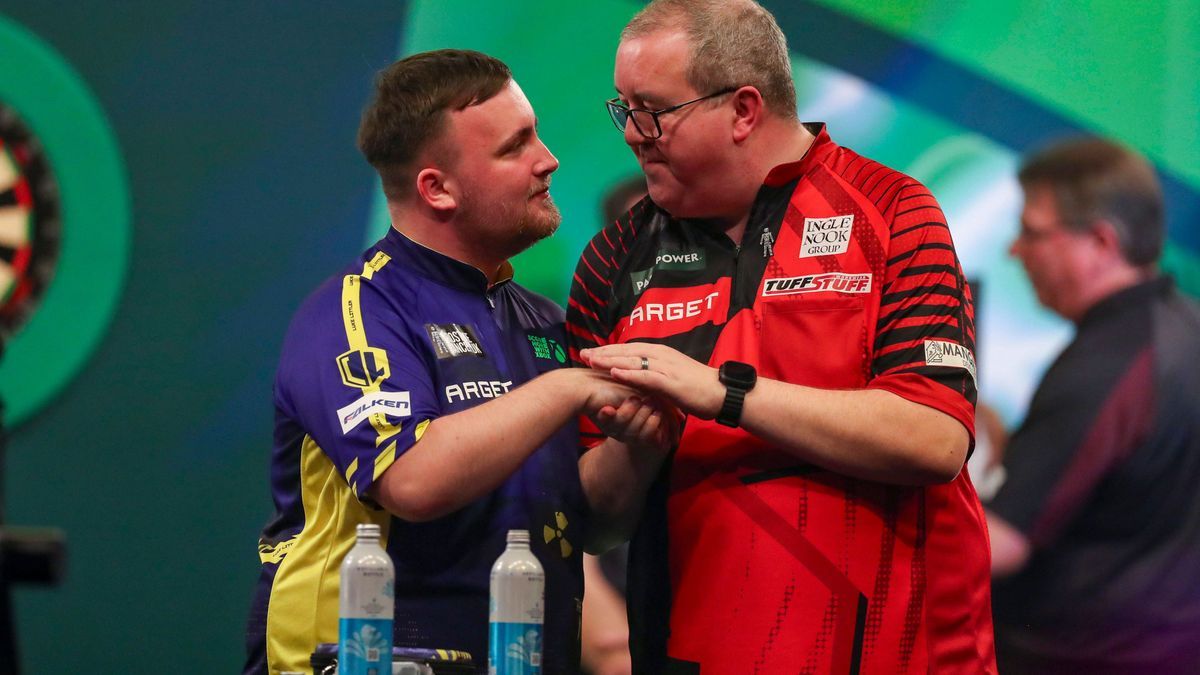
<point x="1096" y="532"/>
<point x="805" y="307"/>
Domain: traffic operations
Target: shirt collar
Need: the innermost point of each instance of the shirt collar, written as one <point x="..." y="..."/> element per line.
<point x="1132" y="296"/>
<point x="439" y="267"/>
<point x="821" y="147"/>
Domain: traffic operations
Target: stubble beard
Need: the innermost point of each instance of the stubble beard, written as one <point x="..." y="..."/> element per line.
<point x="513" y="228"/>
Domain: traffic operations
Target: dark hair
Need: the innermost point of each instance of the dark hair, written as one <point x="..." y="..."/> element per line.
<point x="1093" y="178"/>
<point x="411" y="98"/>
<point x="619" y="195"/>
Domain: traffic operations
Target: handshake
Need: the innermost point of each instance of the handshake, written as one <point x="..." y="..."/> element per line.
<point x="638" y="393"/>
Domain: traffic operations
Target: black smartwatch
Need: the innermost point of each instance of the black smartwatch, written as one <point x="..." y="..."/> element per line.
<point x="738" y="378"/>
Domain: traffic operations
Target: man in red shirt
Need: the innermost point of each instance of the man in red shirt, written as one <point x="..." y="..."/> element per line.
<point x="805" y="307"/>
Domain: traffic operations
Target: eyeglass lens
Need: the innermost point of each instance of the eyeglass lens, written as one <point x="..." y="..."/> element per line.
<point x="643" y="120"/>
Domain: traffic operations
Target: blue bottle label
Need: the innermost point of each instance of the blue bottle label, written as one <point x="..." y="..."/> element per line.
<point x="365" y="647"/>
<point x="515" y="649"/>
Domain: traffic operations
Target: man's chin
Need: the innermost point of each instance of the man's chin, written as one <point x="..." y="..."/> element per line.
<point x="538" y="226"/>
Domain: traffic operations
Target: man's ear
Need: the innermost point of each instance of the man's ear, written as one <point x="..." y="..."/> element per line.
<point x="748" y="110"/>
<point x="1105" y="235"/>
<point x="435" y="188"/>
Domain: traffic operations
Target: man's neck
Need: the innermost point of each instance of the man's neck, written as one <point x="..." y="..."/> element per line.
<point x="1116" y="280"/>
<point x="440" y="236"/>
<point x="778" y="142"/>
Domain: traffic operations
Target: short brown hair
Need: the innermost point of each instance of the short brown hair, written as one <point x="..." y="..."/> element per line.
<point x="1093" y="178"/>
<point x="411" y="98"/>
<point x="734" y="44"/>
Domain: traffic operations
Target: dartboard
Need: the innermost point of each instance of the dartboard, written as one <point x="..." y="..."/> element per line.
<point x="29" y="222"/>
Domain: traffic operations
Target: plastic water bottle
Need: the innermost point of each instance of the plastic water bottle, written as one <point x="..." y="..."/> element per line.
<point x="366" y="607"/>
<point x="516" y="611"/>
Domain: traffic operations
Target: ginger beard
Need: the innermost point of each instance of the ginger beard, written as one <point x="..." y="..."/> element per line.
<point x="510" y="226"/>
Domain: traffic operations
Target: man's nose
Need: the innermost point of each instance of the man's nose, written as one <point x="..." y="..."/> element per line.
<point x="633" y="137"/>
<point x="548" y="163"/>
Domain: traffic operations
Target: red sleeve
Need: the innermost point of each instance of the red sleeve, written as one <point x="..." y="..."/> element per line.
<point x="588" y="318"/>
<point x="925" y="337"/>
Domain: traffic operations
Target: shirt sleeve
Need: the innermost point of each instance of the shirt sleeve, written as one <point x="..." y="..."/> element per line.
<point x="356" y="381"/>
<point x="924" y="345"/>
<point x="589" y="322"/>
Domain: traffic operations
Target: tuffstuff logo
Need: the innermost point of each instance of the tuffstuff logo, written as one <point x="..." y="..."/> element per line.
<point x="826" y="236"/>
<point x="950" y="355"/>
<point x="479" y="389"/>
<point x="394" y="403"/>
<point x="363" y="368"/>
<point x="812" y="283"/>
<point x="453" y="339"/>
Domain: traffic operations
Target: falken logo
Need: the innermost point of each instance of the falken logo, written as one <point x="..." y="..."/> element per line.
<point x="394" y="403"/>
<point x="453" y="339"/>
<point x="826" y="236"/>
<point x="481" y="389"/>
<point x="811" y="283"/>
<point x="950" y="355"/>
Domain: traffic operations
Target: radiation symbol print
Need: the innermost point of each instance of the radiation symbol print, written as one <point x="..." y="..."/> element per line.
<point x="549" y="534"/>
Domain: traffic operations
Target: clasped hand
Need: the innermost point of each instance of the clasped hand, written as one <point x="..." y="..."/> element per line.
<point x="628" y="415"/>
<point x="661" y="374"/>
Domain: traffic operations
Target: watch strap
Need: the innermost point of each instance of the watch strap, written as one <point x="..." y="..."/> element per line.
<point x="731" y="410"/>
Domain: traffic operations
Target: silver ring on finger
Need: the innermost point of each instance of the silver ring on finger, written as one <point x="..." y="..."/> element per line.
<point x="645" y="363"/>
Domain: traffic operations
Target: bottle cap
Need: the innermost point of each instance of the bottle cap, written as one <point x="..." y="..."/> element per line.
<point x="516" y="536"/>
<point x="368" y="530"/>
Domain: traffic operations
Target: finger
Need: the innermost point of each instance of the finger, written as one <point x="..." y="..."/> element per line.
<point x="628" y="362"/>
<point x="628" y="409"/>
<point x="621" y="349"/>
<point x="644" y="380"/>
<point x="605" y="420"/>
<point x="641" y="420"/>
<point x="635" y="422"/>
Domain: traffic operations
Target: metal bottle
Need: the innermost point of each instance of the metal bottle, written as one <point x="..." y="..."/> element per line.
<point x="516" y="611"/>
<point x="366" y="607"/>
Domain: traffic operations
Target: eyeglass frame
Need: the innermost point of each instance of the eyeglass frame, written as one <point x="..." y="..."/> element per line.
<point x="615" y="107"/>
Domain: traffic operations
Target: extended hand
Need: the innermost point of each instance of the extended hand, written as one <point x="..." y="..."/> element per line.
<point x="662" y="371"/>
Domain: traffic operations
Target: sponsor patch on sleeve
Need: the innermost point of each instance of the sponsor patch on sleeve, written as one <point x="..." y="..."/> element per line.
<point x="394" y="403"/>
<point x="454" y="339"/>
<point x="363" y="368"/>
<point x="950" y="355"/>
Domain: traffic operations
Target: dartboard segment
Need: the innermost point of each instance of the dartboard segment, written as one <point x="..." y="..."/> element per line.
<point x="29" y="222"/>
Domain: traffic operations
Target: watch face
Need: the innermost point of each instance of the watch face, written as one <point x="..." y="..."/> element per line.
<point x="738" y="374"/>
<point x="29" y="222"/>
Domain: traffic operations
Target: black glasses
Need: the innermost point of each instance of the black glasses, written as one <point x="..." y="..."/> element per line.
<point x="646" y="121"/>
